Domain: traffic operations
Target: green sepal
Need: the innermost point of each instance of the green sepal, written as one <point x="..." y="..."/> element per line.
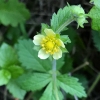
<point x="64" y="50"/>
<point x="57" y="35"/>
<point x="44" y="26"/>
<point x="5" y="76"/>
<point x="37" y="48"/>
<point x="65" y="39"/>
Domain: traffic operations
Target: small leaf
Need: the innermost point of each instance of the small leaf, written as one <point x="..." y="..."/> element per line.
<point x="96" y="39"/>
<point x="34" y="81"/>
<point x="13" y="12"/>
<point x="94" y="14"/>
<point x="15" y="90"/>
<point x="65" y="39"/>
<point x="8" y="56"/>
<point x="15" y="71"/>
<point x="4" y="77"/>
<point x="64" y="50"/>
<point x="71" y="85"/>
<point x="72" y="34"/>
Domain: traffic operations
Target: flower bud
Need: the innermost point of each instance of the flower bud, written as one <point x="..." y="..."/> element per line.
<point x="79" y="15"/>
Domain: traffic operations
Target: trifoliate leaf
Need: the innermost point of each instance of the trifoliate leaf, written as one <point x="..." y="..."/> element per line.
<point x="49" y="93"/>
<point x="60" y="19"/>
<point x="13" y="12"/>
<point x="29" y="57"/>
<point x="15" y="71"/>
<point x="34" y="81"/>
<point x="94" y="14"/>
<point x="4" y="77"/>
<point x="71" y="85"/>
<point x="15" y="90"/>
<point x="96" y="39"/>
<point x="8" y="56"/>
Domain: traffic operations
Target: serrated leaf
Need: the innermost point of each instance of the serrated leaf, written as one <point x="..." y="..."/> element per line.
<point x="29" y="57"/>
<point x="15" y="90"/>
<point x="96" y="39"/>
<point x="8" y="56"/>
<point x="15" y="71"/>
<point x="62" y="16"/>
<point x="34" y="81"/>
<point x="49" y="93"/>
<point x="4" y="77"/>
<point x="71" y="85"/>
<point x="94" y="14"/>
<point x="13" y="12"/>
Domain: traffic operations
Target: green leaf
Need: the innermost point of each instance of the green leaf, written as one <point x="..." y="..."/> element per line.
<point x="13" y="12"/>
<point x="71" y="85"/>
<point x="49" y="93"/>
<point x="15" y="90"/>
<point x="59" y="19"/>
<point x="34" y="81"/>
<point x="95" y="2"/>
<point x="65" y="39"/>
<point x="15" y="71"/>
<point x="64" y="50"/>
<point x="8" y="56"/>
<point x="96" y="39"/>
<point x="29" y="57"/>
<point x="4" y="77"/>
<point x="72" y="34"/>
<point x="94" y="14"/>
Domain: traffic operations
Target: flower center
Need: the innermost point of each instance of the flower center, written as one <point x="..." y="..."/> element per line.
<point x="50" y="44"/>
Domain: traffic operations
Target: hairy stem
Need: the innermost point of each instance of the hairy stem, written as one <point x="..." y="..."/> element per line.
<point x="65" y="24"/>
<point x="54" y="79"/>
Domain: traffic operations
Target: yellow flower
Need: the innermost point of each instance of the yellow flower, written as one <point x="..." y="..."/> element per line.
<point x="50" y="44"/>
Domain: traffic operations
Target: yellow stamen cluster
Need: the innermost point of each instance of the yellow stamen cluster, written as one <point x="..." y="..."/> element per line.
<point x="50" y="44"/>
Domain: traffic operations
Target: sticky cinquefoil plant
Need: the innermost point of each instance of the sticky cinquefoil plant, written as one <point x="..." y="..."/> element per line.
<point x="45" y="56"/>
<point x="37" y="63"/>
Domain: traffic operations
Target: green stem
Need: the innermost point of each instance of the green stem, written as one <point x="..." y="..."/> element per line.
<point x="65" y="24"/>
<point x="94" y="84"/>
<point x="54" y="79"/>
<point x="23" y="30"/>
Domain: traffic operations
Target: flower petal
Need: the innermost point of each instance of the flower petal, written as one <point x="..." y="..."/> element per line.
<point x="49" y="32"/>
<point x="37" y="39"/>
<point x="42" y="54"/>
<point x="57" y="55"/>
<point x="62" y="44"/>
